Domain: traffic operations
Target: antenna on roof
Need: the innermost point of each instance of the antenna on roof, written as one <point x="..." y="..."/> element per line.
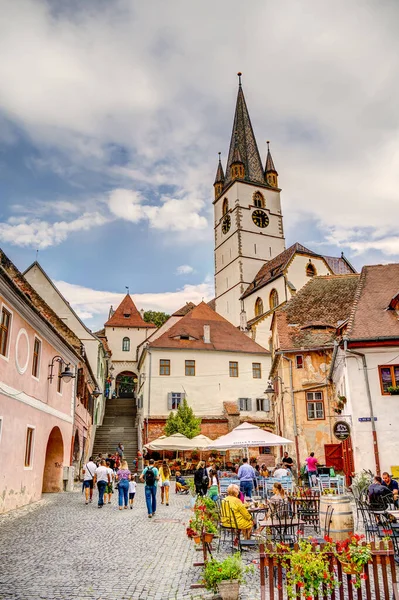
<point x="239" y="78"/>
<point x="37" y="254"/>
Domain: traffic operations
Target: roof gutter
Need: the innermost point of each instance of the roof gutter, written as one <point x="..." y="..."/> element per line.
<point x="333" y="359"/>
<point x="367" y="384"/>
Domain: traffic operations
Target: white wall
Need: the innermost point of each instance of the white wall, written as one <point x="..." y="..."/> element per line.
<point x="211" y="385"/>
<point x="296" y="272"/>
<point x="350" y="378"/>
<point x="115" y="337"/>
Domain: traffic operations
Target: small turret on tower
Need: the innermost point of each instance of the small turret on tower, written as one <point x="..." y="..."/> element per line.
<point x="237" y="168"/>
<point x="219" y="180"/>
<point x="271" y="175"/>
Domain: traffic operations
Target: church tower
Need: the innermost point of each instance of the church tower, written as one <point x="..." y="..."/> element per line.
<point x="247" y="212"/>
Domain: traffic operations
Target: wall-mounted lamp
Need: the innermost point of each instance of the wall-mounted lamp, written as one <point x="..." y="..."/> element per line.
<point x="269" y="391"/>
<point x="66" y="374"/>
<point x="97" y="392"/>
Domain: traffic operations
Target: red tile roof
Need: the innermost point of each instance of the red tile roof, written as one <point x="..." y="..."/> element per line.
<point x="310" y="319"/>
<point x="127" y="315"/>
<point x="231" y="408"/>
<point x="370" y="317"/>
<point x="103" y="339"/>
<point x="224" y="336"/>
<point x="184" y="310"/>
<point x="339" y="265"/>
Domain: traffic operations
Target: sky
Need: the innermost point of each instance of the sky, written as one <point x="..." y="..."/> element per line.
<point x="112" y="113"/>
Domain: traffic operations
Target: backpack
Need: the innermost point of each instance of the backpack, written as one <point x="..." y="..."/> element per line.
<point x="205" y="479"/>
<point x="150" y="476"/>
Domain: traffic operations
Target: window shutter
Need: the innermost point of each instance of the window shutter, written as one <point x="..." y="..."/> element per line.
<point x="169" y="400"/>
<point x="249" y="403"/>
<point x="266" y="404"/>
<point x="240" y="403"/>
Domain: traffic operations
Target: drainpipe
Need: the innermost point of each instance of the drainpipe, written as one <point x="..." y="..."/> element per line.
<point x="373" y="429"/>
<point x="293" y="413"/>
<point x="149" y="392"/>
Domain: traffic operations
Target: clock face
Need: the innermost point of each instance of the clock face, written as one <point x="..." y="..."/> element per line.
<point x="260" y="218"/>
<point x="226" y="224"/>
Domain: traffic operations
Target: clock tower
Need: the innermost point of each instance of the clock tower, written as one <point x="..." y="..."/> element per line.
<point x="247" y="212"/>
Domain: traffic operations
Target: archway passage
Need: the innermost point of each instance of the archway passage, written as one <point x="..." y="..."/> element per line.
<point x="52" y="475"/>
<point x="125" y="384"/>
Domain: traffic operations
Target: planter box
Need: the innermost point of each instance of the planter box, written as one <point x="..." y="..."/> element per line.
<point x="229" y="590"/>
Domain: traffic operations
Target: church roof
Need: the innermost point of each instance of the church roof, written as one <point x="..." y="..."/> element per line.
<point x="184" y="310"/>
<point x="223" y="335"/>
<point x="269" y="161"/>
<point x="311" y="317"/>
<point x="127" y="315"/>
<point x="219" y="173"/>
<point x="243" y="141"/>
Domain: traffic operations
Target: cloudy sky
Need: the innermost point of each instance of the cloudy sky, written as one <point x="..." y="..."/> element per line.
<point x="112" y="113"/>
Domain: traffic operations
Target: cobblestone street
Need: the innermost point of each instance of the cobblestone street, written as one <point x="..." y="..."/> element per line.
<point x="61" y="549"/>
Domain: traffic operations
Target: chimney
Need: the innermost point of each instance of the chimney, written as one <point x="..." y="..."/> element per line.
<point x="142" y="313"/>
<point x="207" y="334"/>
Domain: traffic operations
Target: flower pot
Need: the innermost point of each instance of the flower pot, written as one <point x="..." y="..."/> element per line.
<point x="208" y="537"/>
<point x="197" y="539"/>
<point x="229" y="589"/>
<point x="350" y="568"/>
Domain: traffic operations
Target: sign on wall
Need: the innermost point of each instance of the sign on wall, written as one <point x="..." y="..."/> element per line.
<point x="341" y="430"/>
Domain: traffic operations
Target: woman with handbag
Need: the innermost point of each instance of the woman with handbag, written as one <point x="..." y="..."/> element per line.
<point x="201" y="479"/>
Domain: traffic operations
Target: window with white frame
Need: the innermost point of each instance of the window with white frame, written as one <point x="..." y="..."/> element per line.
<point x="5" y="327"/>
<point x="175" y="399"/>
<point x="245" y="403"/>
<point x="126" y="344"/>
<point x="263" y="404"/>
<point x="30" y="437"/>
<point x="256" y="371"/>
<point x="315" y="405"/>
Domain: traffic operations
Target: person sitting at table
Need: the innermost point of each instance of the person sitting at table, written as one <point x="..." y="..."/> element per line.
<point x="241" y="514"/>
<point x="181" y="484"/>
<point x="280" y="472"/>
<point x="377" y="490"/>
<point x="264" y="471"/>
<point x="278" y="500"/>
<point x="392" y="485"/>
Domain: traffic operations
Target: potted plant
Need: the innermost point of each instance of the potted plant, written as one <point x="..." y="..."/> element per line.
<point x="226" y="576"/>
<point x="342" y="399"/>
<point x="393" y="390"/>
<point x="353" y="553"/>
<point x="210" y="530"/>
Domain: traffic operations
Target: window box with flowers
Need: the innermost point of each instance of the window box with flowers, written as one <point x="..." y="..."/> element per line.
<point x="393" y="390"/>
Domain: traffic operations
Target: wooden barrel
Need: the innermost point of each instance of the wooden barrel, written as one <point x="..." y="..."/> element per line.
<point x="342" y="523"/>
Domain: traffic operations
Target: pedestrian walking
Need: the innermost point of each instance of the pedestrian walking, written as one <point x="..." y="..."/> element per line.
<point x="120" y="450"/>
<point x="201" y="479"/>
<point x="246" y="475"/>
<point x="164" y="475"/>
<point x="101" y="477"/>
<point x="311" y="467"/>
<point x="109" y="488"/>
<point x="123" y="476"/>
<point x="150" y="476"/>
<point x="132" y="490"/>
<point x="88" y="472"/>
<point x="111" y="460"/>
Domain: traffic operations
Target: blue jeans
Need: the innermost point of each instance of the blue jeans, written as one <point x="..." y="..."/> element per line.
<point x="123" y="492"/>
<point x="246" y="488"/>
<point x="101" y="485"/>
<point x="151" y="498"/>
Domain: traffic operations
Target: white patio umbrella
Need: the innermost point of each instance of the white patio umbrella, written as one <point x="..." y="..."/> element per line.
<point x="202" y="441"/>
<point x="177" y="441"/>
<point x="247" y="435"/>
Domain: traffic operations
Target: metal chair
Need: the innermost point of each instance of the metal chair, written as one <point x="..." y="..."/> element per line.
<point x="229" y="527"/>
<point x="326" y="527"/>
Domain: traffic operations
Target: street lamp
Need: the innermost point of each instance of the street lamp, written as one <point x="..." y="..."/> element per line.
<point x="96" y="392"/>
<point x="66" y="375"/>
<point x="269" y="391"/>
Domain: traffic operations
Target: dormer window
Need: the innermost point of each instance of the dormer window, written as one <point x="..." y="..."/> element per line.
<point x="126" y="315"/>
<point x="184" y="337"/>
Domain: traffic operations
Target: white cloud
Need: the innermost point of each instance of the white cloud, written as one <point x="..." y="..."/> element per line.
<point x="23" y="231"/>
<point x="93" y="305"/>
<point x="184" y="270"/>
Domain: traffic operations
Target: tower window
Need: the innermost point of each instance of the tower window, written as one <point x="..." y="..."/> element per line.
<point x="310" y="270"/>
<point x="258" y="307"/>
<point x="258" y="200"/>
<point x="126" y="344"/>
<point x="225" y="206"/>
<point x="273" y="298"/>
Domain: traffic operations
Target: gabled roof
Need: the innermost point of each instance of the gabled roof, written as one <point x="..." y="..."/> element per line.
<point x="223" y="335"/>
<point x="243" y="144"/>
<point x="127" y="315"/>
<point x="275" y="267"/>
<point x="339" y="265"/>
<point x="371" y="317"/>
<point x="311" y="317"/>
<point x="184" y="310"/>
<point x="23" y="288"/>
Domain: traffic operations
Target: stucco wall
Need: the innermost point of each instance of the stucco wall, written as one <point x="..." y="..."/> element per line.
<point x="115" y="337"/>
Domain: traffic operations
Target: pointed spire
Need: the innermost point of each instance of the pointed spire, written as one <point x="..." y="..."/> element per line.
<point x="219" y="173"/>
<point x="270" y="170"/>
<point x="243" y="143"/>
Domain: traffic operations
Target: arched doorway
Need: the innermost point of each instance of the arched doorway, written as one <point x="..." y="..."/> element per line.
<point x="52" y="474"/>
<point x="125" y="384"/>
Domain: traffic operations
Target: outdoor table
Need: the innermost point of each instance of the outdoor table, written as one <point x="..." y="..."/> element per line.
<point x="257" y="511"/>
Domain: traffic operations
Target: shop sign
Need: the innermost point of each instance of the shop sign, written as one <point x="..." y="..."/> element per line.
<point x="341" y="430"/>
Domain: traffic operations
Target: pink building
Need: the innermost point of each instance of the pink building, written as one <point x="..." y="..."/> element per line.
<point x="37" y="411"/>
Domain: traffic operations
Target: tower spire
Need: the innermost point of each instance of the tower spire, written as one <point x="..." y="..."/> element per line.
<point x="271" y="174"/>
<point x="243" y="143"/>
<point x="219" y="179"/>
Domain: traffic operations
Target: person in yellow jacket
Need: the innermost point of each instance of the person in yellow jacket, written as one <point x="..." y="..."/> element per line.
<point x="242" y="516"/>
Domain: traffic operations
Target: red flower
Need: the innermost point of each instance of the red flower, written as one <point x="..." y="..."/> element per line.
<point x="387" y="531"/>
<point x="328" y="539"/>
<point x="363" y="576"/>
<point x="279" y="587"/>
<point x="325" y="575"/>
<point x="300" y="584"/>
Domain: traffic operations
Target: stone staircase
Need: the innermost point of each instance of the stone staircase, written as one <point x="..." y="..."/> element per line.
<point x="119" y="425"/>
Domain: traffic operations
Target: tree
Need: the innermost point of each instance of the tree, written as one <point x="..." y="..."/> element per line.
<point x="183" y="421"/>
<point x="156" y="317"/>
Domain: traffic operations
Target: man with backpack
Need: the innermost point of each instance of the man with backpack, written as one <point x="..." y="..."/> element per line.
<point x="150" y="477"/>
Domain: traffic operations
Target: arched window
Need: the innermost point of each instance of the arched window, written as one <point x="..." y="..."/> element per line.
<point x="273" y="299"/>
<point x="126" y="344"/>
<point x="258" y="200"/>
<point x="258" y="307"/>
<point x="225" y="206"/>
<point x="310" y="270"/>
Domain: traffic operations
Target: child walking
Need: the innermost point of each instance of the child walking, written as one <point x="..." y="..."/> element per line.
<point x="132" y="489"/>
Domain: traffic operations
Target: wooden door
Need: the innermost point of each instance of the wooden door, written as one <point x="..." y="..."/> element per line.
<point x="349" y="464"/>
<point x="334" y="458"/>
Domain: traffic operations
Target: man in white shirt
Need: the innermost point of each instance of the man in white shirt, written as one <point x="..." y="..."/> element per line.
<point x="102" y="478"/>
<point x="280" y="472"/>
<point x="88" y="471"/>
